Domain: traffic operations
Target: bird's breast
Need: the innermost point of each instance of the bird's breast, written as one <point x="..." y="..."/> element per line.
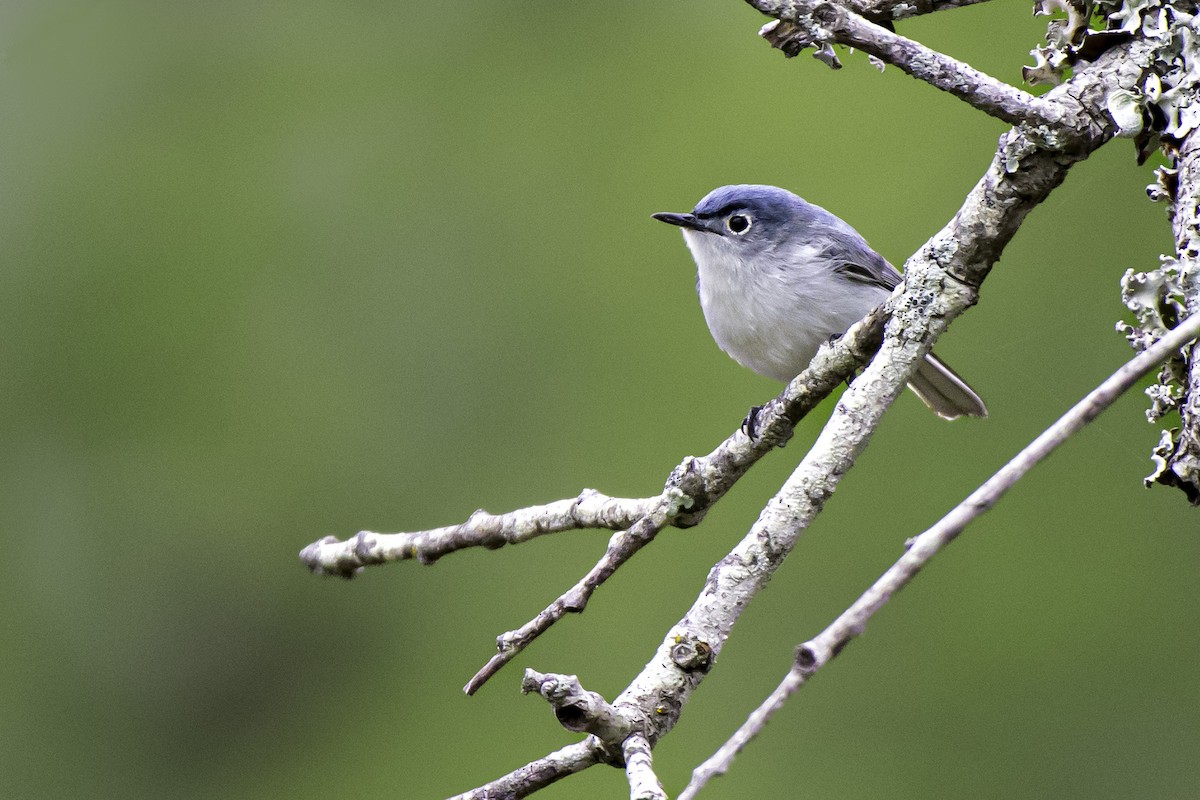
<point x="771" y="317"/>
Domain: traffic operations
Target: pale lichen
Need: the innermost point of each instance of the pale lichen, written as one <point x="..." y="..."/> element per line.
<point x="1156" y="299"/>
<point x="1165" y="104"/>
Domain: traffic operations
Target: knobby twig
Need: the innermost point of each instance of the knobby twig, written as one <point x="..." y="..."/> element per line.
<point x="576" y="708"/>
<point x="591" y="509"/>
<point x="821" y="649"/>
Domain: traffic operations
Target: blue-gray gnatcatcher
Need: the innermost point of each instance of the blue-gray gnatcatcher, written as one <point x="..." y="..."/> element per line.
<point x="779" y="276"/>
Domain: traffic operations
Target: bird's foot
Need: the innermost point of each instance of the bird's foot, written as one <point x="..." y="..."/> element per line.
<point x="750" y="423"/>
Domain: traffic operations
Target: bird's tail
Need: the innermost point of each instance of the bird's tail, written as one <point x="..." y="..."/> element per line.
<point x="948" y="395"/>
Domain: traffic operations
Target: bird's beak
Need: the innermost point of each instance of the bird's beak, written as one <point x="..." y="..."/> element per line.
<point x="690" y="221"/>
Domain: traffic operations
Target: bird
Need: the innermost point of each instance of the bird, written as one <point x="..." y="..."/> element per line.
<point x="779" y="276"/>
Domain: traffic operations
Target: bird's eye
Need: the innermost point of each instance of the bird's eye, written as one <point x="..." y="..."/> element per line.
<point x="738" y="223"/>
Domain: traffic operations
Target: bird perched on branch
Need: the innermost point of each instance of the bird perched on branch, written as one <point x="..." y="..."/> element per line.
<point x="779" y="276"/>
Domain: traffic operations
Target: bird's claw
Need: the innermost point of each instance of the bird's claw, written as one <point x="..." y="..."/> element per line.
<point x="750" y="423"/>
<point x="830" y="341"/>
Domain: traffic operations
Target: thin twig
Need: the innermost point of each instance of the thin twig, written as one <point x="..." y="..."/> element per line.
<point x="821" y="649"/>
<point x="719" y="762"/>
<point x="590" y="509"/>
<point x="621" y="548"/>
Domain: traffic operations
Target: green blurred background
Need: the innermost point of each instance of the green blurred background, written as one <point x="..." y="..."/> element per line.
<point x="273" y="271"/>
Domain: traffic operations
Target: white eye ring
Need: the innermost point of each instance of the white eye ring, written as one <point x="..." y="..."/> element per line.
<point x="738" y="224"/>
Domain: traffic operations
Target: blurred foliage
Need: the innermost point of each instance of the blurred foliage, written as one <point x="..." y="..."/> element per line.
<point x="277" y="270"/>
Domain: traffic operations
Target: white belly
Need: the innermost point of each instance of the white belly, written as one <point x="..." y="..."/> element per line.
<point x="773" y="320"/>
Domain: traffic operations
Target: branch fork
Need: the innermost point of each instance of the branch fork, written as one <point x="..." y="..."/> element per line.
<point x="617" y="731"/>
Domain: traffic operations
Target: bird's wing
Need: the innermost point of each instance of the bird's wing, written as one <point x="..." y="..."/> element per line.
<point x="854" y="259"/>
<point x="884" y="279"/>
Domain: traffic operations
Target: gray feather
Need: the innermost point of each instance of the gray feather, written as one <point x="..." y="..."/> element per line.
<point x="948" y="395"/>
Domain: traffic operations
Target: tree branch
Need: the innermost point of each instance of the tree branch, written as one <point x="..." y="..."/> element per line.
<point x="805" y="23"/>
<point x="880" y="11"/>
<point x="1178" y="456"/>
<point x="821" y="649"/>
